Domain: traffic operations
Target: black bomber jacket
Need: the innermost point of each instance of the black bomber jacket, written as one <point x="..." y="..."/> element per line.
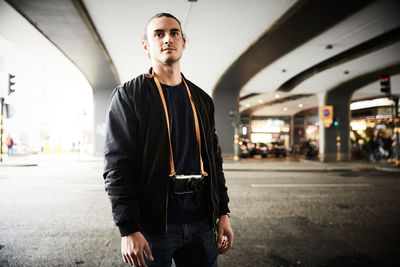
<point x="136" y="156"/>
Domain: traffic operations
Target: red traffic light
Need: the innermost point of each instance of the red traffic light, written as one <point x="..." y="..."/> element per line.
<point x="385" y="84"/>
<point x="384" y="78"/>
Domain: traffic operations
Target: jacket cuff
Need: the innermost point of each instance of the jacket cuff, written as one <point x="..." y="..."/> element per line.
<point x="223" y="209"/>
<point x="128" y="229"/>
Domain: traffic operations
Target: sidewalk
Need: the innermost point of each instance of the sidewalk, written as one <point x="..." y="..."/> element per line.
<point x="302" y="165"/>
<point x="32" y="160"/>
<point x="289" y="164"/>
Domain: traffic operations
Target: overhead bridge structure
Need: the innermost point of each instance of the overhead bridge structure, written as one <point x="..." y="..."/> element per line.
<point x="255" y="58"/>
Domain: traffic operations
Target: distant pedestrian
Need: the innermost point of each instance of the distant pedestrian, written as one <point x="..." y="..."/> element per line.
<point x="372" y="150"/>
<point x="387" y="146"/>
<point x="10" y="144"/>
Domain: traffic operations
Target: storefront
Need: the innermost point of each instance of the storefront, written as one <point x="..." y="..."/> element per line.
<point x="267" y="130"/>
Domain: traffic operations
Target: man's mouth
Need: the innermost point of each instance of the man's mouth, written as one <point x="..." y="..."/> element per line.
<point x="170" y="48"/>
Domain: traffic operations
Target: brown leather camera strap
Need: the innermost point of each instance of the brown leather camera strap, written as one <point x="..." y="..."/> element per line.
<point x="196" y="123"/>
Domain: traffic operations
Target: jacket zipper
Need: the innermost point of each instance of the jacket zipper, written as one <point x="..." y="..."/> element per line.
<point x="166" y="209"/>
<point x="166" y="203"/>
<point x="209" y="164"/>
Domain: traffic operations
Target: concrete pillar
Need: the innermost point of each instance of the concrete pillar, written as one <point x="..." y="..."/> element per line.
<point x="335" y="140"/>
<point x="321" y="102"/>
<point x="226" y="111"/>
<point x="291" y="139"/>
<point x="101" y="99"/>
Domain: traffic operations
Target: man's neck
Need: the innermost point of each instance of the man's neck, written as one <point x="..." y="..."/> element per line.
<point x="168" y="75"/>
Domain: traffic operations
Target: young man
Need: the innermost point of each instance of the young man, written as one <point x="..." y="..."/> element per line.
<point x="163" y="166"/>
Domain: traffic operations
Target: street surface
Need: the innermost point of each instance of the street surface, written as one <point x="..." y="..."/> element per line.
<point x="284" y="213"/>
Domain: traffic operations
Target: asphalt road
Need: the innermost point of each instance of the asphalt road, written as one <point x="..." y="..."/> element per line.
<point x="57" y="214"/>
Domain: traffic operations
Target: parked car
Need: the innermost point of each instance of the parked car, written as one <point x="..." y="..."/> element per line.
<point x="260" y="149"/>
<point x="310" y="150"/>
<point x="277" y="149"/>
<point x="245" y="148"/>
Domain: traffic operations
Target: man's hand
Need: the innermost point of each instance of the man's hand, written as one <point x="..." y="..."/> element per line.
<point x="225" y="234"/>
<point x="132" y="248"/>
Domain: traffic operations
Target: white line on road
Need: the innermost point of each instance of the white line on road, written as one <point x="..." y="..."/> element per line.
<point x="308" y="185"/>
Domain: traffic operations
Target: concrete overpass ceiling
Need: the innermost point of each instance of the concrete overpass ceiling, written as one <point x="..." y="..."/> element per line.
<point x="370" y="22"/>
<point x="25" y="36"/>
<point x="331" y="78"/>
<point x="328" y="79"/>
<point x="287" y="108"/>
<point x="292" y="107"/>
<point x="64" y="24"/>
<point x="217" y="32"/>
<point x="366" y="24"/>
<point x="261" y="99"/>
<point x="220" y="32"/>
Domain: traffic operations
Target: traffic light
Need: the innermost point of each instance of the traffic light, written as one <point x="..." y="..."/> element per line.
<point x="336" y="122"/>
<point x="385" y="84"/>
<point x="10" y="84"/>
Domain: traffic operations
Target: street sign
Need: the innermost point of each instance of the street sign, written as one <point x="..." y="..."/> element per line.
<point x="326" y="115"/>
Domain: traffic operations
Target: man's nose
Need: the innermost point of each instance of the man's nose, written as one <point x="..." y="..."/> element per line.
<point x="167" y="39"/>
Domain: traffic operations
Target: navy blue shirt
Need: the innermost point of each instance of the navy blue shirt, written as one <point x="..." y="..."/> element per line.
<point x="189" y="207"/>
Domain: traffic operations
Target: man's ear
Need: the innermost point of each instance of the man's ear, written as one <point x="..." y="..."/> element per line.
<point x="184" y="43"/>
<point x="145" y="45"/>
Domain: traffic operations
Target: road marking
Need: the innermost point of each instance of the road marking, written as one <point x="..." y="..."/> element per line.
<point x="309" y="185"/>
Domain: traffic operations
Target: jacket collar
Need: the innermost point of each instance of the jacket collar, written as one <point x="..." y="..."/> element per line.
<point x="150" y="74"/>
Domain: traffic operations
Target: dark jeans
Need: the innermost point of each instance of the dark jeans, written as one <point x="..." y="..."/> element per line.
<point x="191" y="244"/>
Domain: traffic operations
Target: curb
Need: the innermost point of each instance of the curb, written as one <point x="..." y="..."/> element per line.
<point x="385" y="169"/>
<point x="287" y="170"/>
<point x="396" y="169"/>
<point x="18" y="165"/>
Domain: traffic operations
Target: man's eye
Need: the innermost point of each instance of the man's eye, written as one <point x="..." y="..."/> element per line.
<point x="158" y="35"/>
<point x="175" y="34"/>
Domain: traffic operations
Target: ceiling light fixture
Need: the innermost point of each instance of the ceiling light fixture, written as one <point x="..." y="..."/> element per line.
<point x="300" y="105"/>
<point x="247" y="105"/>
<point x="276" y="96"/>
<point x="284" y="109"/>
<point x="379" y="102"/>
<point x="329" y="46"/>
<point x="260" y="100"/>
<point x="346" y="72"/>
<point x="284" y="70"/>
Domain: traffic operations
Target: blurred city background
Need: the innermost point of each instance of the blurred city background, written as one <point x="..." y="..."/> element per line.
<point x="60" y="61"/>
<point x="306" y="110"/>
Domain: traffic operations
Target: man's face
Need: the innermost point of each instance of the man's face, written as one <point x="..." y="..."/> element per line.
<point x="165" y="42"/>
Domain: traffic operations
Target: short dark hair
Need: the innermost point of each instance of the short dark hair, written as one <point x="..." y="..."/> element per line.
<point x="160" y="15"/>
